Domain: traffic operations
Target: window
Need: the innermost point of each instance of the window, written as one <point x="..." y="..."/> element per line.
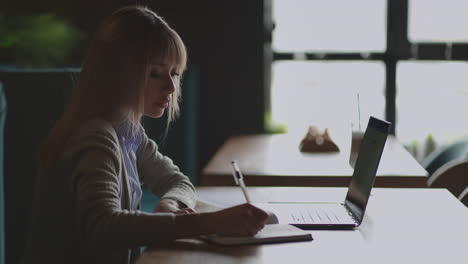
<point x="332" y="25"/>
<point x="307" y="92"/>
<point x="431" y="95"/>
<point x="325" y="93"/>
<point x="438" y="21"/>
<point x="407" y="59"/>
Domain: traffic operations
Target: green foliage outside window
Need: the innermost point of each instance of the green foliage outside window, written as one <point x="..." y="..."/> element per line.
<point x="42" y="40"/>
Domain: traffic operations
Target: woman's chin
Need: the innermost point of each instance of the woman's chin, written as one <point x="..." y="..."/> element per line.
<point x="155" y="114"/>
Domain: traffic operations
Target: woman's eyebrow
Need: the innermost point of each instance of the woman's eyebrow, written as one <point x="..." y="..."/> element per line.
<point x="160" y="64"/>
<point x="165" y="65"/>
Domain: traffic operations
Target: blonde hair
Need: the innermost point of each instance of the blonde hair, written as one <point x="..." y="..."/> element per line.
<point x="114" y="74"/>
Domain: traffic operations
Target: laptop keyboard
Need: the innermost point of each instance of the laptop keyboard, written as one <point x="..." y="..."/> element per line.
<point x="317" y="215"/>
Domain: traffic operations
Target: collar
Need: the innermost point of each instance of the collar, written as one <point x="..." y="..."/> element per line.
<point x="129" y="133"/>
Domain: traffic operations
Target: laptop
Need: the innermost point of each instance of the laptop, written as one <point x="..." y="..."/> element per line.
<point x="349" y="214"/>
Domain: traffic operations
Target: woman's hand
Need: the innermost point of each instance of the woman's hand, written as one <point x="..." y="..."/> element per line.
<point x="241" y="220"/>
<point x="167" y="205"/>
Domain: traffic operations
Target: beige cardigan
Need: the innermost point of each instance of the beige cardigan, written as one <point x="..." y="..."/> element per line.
<point x="80" y="210"/>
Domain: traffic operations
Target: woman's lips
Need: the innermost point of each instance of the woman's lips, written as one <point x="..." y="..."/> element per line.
<point x="163" y="103"/>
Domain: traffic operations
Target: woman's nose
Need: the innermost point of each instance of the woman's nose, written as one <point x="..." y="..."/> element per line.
<point x="170" y="84"/>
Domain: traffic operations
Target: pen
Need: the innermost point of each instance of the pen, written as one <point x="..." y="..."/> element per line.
<point x="239" y="179"/>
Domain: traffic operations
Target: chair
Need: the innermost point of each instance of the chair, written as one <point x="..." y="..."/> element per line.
<point x="3" y="109"/>
<point x="36" y="99"/>
<point x="445" y="154"/>
<point x="464" y="197"/>
<point x="453" y="176"/>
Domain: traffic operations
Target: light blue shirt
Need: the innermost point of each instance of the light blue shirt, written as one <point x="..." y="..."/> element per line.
<point x="130" y="138"/>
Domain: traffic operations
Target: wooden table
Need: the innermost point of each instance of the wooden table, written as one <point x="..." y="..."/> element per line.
<point x="275" y="160"/>
<point x="400" y="226"/>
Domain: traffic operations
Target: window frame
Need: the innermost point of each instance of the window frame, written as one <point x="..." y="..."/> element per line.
<point x="399" y="48"/>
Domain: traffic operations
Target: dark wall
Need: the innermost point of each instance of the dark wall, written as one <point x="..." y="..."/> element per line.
<point x="224" y="38"/>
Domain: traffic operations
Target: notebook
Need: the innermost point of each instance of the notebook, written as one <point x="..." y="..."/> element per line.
<point x="274" y="233"/>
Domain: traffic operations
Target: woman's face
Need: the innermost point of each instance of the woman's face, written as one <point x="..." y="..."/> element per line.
<point x="162" y="82"/>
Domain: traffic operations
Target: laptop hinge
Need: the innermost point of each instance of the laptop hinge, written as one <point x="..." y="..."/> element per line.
<point x="351" y="214"/>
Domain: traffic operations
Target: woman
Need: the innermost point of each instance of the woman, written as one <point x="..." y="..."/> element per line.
<point x="97" y="156"/>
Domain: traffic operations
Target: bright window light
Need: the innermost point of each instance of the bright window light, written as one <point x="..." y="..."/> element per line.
<point x="437" y="20"/>
<point x="325" y="93"/>
<point x="332" y="25"/>
<point x="432" y="99"/>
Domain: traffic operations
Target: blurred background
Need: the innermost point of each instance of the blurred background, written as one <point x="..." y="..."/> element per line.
<point x="225" y="40"/>
<point x="277" y="65"/>
<point x="406" y="60"/>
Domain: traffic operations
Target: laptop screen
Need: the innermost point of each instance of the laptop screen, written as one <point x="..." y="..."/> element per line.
<point x="367" y="162"/>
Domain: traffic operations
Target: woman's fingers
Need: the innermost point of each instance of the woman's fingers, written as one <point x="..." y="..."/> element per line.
<point x="257" y="225"/>
<point x="256" y="216"/>
<point x="255" y="220"/>
<point x="241" y="220"/>
<point x="250" y="229"/>
<point x="185" y="211"/>
<point x="253" y="229"/>
<point x="190" y="210"/>
<point x="259" y="213"/>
